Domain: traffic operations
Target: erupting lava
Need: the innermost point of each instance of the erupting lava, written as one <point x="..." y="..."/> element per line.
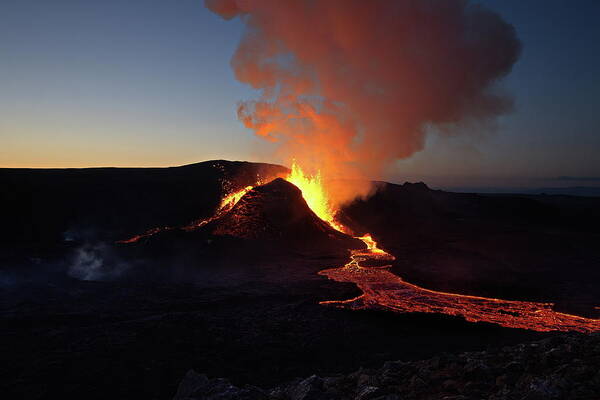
<point x="314" y="193"/>
<point x="231" y="199"/>
<point x="372" y="245"/>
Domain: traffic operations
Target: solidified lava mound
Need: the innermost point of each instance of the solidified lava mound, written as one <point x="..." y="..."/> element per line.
<point x="277" y="212"/>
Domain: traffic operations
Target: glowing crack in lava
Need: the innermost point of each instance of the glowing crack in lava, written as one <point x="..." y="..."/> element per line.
<point x="383" y="289"/>
<point x="226" y="204"/>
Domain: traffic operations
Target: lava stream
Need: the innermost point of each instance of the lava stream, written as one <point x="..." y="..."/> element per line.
<point x="383" y="289"/>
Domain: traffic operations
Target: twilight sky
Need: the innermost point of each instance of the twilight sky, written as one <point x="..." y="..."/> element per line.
<point x="148" y="83"/>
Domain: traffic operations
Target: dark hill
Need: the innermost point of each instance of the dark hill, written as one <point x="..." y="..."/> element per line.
<point x="277" y="211"/>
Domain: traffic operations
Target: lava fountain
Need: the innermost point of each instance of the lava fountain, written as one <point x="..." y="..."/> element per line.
<point x="315" y="194"/>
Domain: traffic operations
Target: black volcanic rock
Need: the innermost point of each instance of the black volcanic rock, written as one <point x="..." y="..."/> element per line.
<point x="277" y="212"/>
<point x="561" y="367"/>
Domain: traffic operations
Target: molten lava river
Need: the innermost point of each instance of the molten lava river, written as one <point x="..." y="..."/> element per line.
<point x="384" y="290"/>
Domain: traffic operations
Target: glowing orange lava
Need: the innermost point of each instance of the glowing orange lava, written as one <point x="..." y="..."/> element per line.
<point x="372" y="245"/>
<point x="314" y="193"/>
<point x="146" y="234"/>
<point x="226" y="204"/>
<point x="383" y="289"/>
<point x="231" y="199"/>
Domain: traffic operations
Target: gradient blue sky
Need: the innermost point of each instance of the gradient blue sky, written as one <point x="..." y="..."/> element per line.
<point x="148" y="83"/>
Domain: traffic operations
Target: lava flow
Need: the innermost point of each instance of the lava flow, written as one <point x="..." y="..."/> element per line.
<point x="383" y="289"/>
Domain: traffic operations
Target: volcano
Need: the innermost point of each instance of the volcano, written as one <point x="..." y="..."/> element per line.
<point x="267" y="219"/>
<point x="277" y="211"/>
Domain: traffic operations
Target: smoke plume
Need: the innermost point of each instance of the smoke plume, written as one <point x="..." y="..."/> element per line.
<point x="349" y="86"/>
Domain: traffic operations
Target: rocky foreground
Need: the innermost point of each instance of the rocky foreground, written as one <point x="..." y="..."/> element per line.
<point x="560" y="367"/>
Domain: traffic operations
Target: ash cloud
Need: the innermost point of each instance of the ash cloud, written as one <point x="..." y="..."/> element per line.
<point x="349" y="86"/>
